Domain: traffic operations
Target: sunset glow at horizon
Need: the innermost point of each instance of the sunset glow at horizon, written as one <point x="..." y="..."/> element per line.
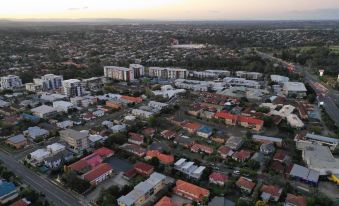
<point x="166" y="9"/>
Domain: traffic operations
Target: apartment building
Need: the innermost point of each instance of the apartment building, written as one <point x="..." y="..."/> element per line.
<point x="77" y="140"/>
<point x="168" y="73"/>
<point x="72" y="88"/>
<point x="10" y="82"/>
<point x="143" y="191"/>
<point x="190" y="191"/>
<point x="52" y="81"/>
<point x="138" y="70"/>
<point x="119" y="73"/>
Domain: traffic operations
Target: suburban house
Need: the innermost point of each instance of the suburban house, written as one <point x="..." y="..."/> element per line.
<point x="270" y="193"/>
<point x="234" y="142"/>
<point x="113" y="105"/>
<point x="143" y="169"/>
<point x="163" y="158"/>
<point x="104" y="152"/>
<point x="134" y="149"/>
<point x="189" y="168"/>
<point x="135" y="138"/>
<point x="241" y="156"/>
<point x="205" y="131"/>
<point x="36" y="132"/>
<point x="218" y="178"/>
<point x="295" y="200"/>
<point x="184" y="141"/>
<point x="17" y="141"/>
<point x="281" y="156"/>
<point x="225" y="152"/>
<point x="245" y="184"/>
<point x="202" y="148"/>
<point x="191" y="127"/>
<point x="165" y="201"/>
<point x="190" y="191"/>
<point x="168" y="134"/>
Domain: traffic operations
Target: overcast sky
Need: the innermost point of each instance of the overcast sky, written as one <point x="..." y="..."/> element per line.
<point x="172" y="9"/>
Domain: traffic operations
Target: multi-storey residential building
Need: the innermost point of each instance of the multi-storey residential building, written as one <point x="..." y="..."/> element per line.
<point x="138" y="70"/>
<point x="248" y="75"/>
<point x="77" y="140"/>
<point x="33" y="87"/>
<point x="119" y="73"/>
<point x="143" y="191"/>
<point x="10" y="82"/>
<point x="52" y="81"/>
<point x="168" y="73"/>
<point x="72" y="87"/>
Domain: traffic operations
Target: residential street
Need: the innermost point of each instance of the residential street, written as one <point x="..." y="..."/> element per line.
<point x="53" y="193"/>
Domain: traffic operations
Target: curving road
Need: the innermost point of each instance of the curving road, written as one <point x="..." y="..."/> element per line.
<point x="329" y="96"/>
<point x="53" y="193"/>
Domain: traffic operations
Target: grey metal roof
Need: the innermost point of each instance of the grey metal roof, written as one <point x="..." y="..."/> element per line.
<point x="17" y="138"/>
<point x="322" y="138"/>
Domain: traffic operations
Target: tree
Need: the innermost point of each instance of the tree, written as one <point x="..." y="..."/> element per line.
<point x="154" y="161"/>
<point x="260" y="203"/>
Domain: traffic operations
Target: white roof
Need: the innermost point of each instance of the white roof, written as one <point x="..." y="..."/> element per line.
<point x="95" y="138"/>
<point x="180" y="161"/>
<point x="199" y="170"/>
<point x="43" y="109"/>
<point x="39" y="154"/>
<point x="55" y="147"/>
<point x="295" y="86"/>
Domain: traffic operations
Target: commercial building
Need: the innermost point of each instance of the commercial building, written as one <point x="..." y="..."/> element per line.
<point x="10" y="82"/>
<point x="320" y="159"/>
<point x="77" y="140"/>
<point x="143" y="191"/>
<point x="248" y="75"/>
<point x="241" y="82"/>
<point x="72" y="87"/>
<point x="301" y="139"/>
<point x="119" y="73"/>
<point x="294" y="88"/>
<point x="279" y="79"/>
<point x="168" y="73"/>
<point x="304" y="174"/>
<point x="44" y="111"/>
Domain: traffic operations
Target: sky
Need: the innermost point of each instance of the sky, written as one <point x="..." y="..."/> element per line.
<point x="170" y="9"/>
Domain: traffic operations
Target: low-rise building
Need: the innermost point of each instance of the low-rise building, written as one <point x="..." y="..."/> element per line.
<point x="142" y="113"/>
<point x="38" y="156"/>
<point x="245" y="184"/>
<point x="63" y="106"/>
<point x="36" y="132"/>
<point x="190" y="191"/>
<point x="234" y="142"/>
<point x="205" y="131"/>
<point x="304" y="174"/>
<point x="44" y="111"/>
<point x="270" y="193"/>
<point x="98" y="174"/>
<point x="294" y="88"/>
<point x="17" y="141"/>
<point x="295" y="200"/>
<point x="301" y="139"/>
<point x="8" y="192"/>
<point x="134" y="149"/>
<point x="218" y="178"/>
<point x="163" y="158"/>
<point x="143" y="191"/>
<point x="189" y="168"/>
<point x="241" y="156"/>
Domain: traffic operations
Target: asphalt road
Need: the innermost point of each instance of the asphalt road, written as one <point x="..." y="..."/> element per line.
<point x="327" y="95"/>
<point x="53" y="193"/>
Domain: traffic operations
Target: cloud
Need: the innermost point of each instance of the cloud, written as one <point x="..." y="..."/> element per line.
<point x="78" y="8"/>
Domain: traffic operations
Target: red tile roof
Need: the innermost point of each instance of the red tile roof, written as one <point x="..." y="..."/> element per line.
<point x="297" y="200"/>
<point x="132" y="99"/>
<point x="165" y="201"/>
<point x="251" y="120"/>
<point x="97" y="172"/>
<point x="190" y="189"/>
<point x="218" y="177"/>
<point x="130" y="173"/>
<point x="192" y="126"/>
<point x="103" y="152"/>
<point x="280" y="155"/>
<point x="271" y="189"/>
<point x="245" y="183"/>
<point x="21" y="202"/>
<point x="144" y="167"/>
<point x="225" y="115"/>
<point x="199" y="147"/>
<point x="242" y="154"/>
<point x="168" y="134"/>
<point x="136" y="137"/>
<point x="148" y="131"/>
<point x="91" y="161"/>
<point x="163" y="158"/>
<point x="224" y="150"/>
